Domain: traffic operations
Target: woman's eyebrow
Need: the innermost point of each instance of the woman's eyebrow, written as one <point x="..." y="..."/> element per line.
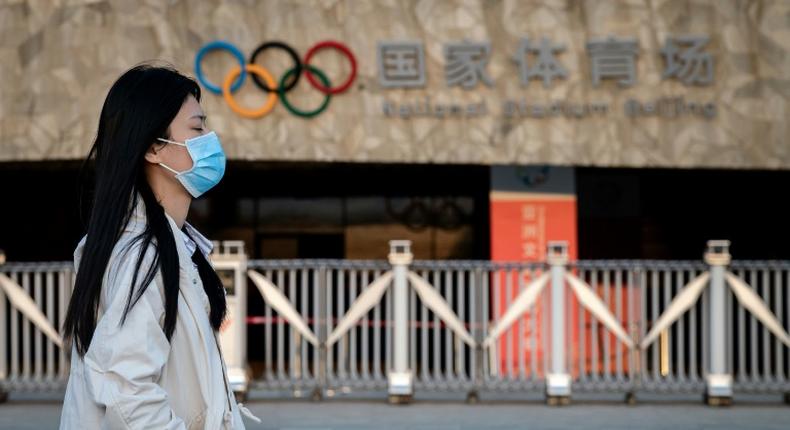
<point x="202" y="117"/>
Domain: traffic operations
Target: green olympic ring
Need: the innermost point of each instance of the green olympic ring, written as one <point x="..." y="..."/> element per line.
<point x="281" y="89"/>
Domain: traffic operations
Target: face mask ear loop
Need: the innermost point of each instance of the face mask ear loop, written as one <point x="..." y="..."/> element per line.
<point x="168" y="168"/>
<point x="171" y="141"/>
<point x="175" y="143"/>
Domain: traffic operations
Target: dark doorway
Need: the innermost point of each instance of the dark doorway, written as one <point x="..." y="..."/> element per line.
<point x="672" y="213"/>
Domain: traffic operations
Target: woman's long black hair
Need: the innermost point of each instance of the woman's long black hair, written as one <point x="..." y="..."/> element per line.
<point x="139" y="107"/>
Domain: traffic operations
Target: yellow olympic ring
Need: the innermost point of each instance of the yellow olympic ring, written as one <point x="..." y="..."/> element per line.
<point x="271" y="99"/>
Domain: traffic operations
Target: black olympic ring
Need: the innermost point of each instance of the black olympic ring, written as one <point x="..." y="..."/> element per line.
<point x="291" y="53"/>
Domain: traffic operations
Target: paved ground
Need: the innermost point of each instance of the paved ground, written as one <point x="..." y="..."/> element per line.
<point x="456" y="415"/>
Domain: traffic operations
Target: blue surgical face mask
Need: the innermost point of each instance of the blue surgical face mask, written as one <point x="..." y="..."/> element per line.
<point x="208" y="163"/>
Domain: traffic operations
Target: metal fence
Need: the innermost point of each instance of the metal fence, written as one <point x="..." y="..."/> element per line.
<point x="28" y="360"/>
<point x="322" y="291"/>
<point x="637" y="292"/>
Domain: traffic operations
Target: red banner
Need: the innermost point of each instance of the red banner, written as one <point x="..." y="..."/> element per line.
<point x="530" y="206"/>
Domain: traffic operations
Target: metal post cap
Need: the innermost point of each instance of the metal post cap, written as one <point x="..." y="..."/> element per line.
<point x="400" y="252"/>
<point x="557" y="252"/>
<point x="718" y="253"/>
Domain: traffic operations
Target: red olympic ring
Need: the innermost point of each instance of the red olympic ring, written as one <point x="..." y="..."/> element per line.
<point x="311" y="77"/>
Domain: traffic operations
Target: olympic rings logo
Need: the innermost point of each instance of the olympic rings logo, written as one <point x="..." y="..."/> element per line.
<point x="264" y="80"/>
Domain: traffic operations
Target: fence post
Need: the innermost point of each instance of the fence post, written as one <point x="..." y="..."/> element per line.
<point x="3" y="341"/>
<point x="477" y="332"/>
<point x="719" y="379"/>
<point x="230" y="262"/>
<point x="400" y="376"/>
<point x="558" y="381"/>
<point x="322" y="334"/>
<point x="633" y="298"/>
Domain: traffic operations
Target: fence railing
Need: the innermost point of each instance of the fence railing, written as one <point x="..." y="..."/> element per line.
<point x="439" y="356"/>
<point x="29" y="360"/>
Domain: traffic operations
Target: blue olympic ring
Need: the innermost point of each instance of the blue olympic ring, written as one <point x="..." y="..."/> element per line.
<point x="219" y="45"/>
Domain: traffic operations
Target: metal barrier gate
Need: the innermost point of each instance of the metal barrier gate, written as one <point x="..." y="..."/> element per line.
<point x="334" y="326"/>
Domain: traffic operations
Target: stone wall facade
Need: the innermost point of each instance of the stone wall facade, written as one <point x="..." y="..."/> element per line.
<point x="59" y="58"/>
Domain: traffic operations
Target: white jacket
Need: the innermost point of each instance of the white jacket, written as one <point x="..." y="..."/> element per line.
<point x="131" y="377"/>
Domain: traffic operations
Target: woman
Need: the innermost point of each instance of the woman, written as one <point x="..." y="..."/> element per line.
<point x="146" y="306"/>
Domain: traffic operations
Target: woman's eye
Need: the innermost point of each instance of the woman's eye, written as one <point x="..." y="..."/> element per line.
<point x="198" y="129"/>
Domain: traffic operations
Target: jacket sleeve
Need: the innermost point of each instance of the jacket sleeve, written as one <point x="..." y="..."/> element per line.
<point x="124" y="361"/>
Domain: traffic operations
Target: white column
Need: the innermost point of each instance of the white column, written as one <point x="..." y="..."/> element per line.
<point x="558" y="382"/>
<point x="230" y="263"/>
<point x="719" y="379"/>
<point x="400" y="376"/>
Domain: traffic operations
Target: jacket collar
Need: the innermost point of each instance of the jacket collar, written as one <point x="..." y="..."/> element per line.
<point x="194" y="240"/>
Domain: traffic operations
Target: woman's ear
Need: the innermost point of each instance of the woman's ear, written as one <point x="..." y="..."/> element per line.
<point x="152" y="154"/>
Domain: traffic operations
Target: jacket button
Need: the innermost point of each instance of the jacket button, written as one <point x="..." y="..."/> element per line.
<point x="194" y="281"/>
